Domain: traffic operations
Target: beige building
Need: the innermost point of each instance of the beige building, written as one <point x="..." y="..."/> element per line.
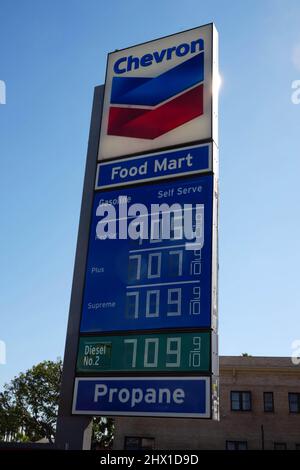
<point x="259" y="408"/>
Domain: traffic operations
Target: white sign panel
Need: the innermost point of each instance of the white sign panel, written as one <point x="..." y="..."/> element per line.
<point x="160" y="94"/>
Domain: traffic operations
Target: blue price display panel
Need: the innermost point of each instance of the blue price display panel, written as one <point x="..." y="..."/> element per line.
<point x="145" y="283"/>
<point x="141" y="396"/>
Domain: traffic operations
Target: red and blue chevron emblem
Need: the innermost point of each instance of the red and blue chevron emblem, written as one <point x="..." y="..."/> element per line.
<point x="164" y="102"/>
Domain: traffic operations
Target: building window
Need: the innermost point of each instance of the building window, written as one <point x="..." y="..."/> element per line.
<point x="268" y="402"/>
<point x="139" y="443"/>
<point x="279" y="445"/>
<point x="297" y="446"/>
<point x="241" y="401"/>
<point x="236" y="445"/>
<point x="294" y="402"/>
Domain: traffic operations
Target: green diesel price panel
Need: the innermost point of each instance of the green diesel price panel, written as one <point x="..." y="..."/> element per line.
<point x="145" y="352"/>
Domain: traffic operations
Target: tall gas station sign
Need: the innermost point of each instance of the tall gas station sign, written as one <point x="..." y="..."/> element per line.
<point x="147" y="332"/>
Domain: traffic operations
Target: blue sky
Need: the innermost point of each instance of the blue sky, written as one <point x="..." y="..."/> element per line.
<point x="52" y="54"/>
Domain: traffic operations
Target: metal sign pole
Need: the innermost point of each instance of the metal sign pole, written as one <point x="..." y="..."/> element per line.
<point x="75" y="432"/>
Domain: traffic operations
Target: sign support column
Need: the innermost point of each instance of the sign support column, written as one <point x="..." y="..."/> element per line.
<point x="75" y="432"/>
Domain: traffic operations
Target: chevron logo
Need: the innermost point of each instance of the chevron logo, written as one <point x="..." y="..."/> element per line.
<point x="146" y="108"/>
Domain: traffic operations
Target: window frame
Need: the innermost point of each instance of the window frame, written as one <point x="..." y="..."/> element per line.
<point x="298" y="402"/>
<point x="273" y="406"/>
<point x="280" y="444"/>
<point x="241" y="392"/>
<point x="236" y="444"/>
<point x="140" y="441"/>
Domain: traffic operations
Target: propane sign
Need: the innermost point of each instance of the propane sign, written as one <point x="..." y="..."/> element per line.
<point x="138" y="396"/>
